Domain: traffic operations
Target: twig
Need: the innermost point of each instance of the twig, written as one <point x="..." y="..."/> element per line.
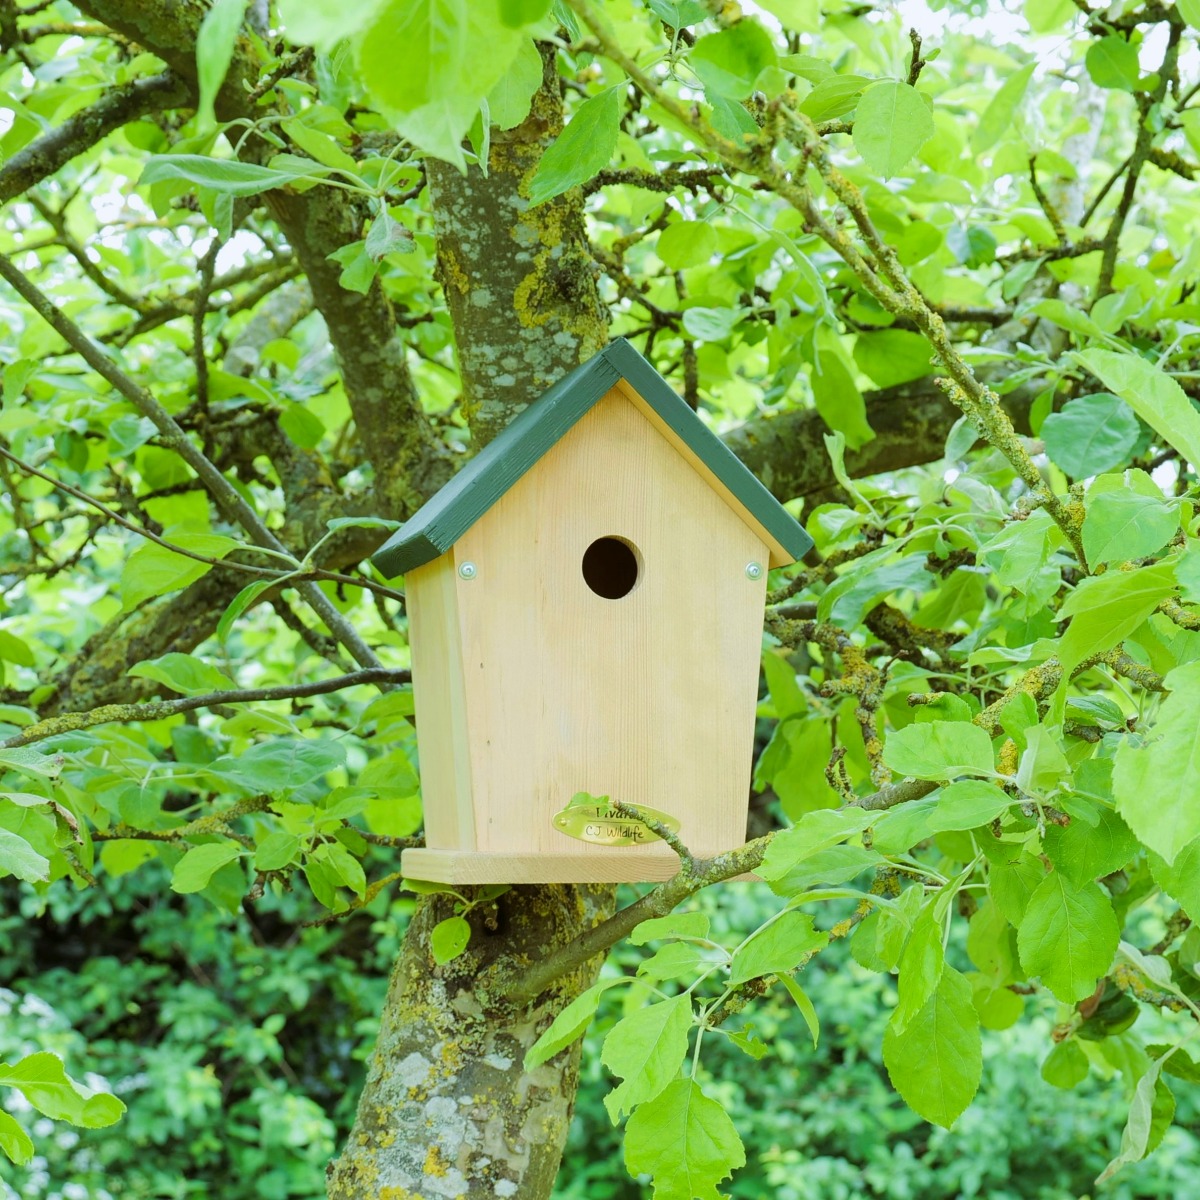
<point x="371" y="585"/>
<point x="917" y="63"/>
<point x="687" y="860"/>
<point x="1056" y="222"/>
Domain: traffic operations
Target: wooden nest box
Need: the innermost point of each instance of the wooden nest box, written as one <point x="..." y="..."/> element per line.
<point x="585" y="601"/>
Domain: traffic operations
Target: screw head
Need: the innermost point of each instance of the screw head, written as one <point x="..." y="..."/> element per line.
<point x="468" y="570"/>
<point x="754" y="570"/>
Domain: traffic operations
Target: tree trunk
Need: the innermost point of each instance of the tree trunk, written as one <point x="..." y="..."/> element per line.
<point x="448" y="1109"/>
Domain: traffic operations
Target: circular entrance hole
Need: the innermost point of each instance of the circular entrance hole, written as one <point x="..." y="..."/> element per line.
<point x="610" y="567"/>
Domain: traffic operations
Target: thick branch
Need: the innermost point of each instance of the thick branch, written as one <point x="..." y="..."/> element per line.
<point x="911" y="423"/>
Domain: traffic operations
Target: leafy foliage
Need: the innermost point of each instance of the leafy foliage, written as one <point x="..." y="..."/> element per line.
<point x="978" y="730"/>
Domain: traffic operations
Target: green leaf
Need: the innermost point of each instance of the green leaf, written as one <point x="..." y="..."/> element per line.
<point x="677" y="925"/>
<point x="449" y="938"/>
<point x="276" y="851"/>
<point x="1150" y="1097"/>
<point x="997" y="118"/>
<point x="893" y="356"/>
<point x="675" y="960"/>
<point x="834" y="97"/>
<point x="892" y="123"/>
<point x="435" y="36"/>
<point x="515" y="13"/>
<point x="214" y="51"/>
<point x="14" y="1141"/>
<point x="646" y="1049"/>
<point x="455" y="52"/>
<point x="358" y="267"/>
<point x="805" y="1005"/>
<point x="582" y="150"/>
<point x="838" y="399"/>
<point x="1012" y="883"/>
<point x="197" y="867"/>
<point x="569" y="1025"/>
<point x="685" y="1141"/>
<point x="1155" y="784"/>
<point x="152" y="570"/>
<point x="730" y="61"/>
<point x="1189" y="10"/>
<point x="19" y="858"/>
<point x="14" y="650"/>
<point x="511" y="98"/>
<point x="1112" y="62"/>
<point x="228" y="176"/>
<point x="1084" y="853"/>
<point x="343" y="867"/>
<point x="183" y="673"/>
<point x="325" y="23"/>
<point x="939" y="750"/>
<point x="1152" y="394"/>
<point x="304" y="428"/>
<point x="777" y="948"/>
<point x="1048" y="15"/>
<point x="920" y="967"/>
<point x="1124" y="525"/>
<point x="47" y="1086"/>
<point x="814" y="832"/>
<point x="686" y="244"/>
<point x="238" y="605"/>
<point x="711" y="324"/>
<point x="280" y="765"/>
<point x="1068" y="936"/>
<point x="1091" y="435"/>
<point x="963" y="805"/>
<point x="936" y="1062"/>
<point x="1066" y="1066"/>
<point x="318" y="145"/>
<point x="677" y="13"/>
<point x="1180" y="879"/>
<point x="1106" y="609"/>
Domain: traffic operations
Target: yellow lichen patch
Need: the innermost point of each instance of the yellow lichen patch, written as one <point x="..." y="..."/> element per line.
<point x="435" y="1164"/>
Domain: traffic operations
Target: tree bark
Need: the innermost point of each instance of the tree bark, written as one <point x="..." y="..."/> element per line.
<point x="448" y="1109"/>
<point x="519" y="281"/>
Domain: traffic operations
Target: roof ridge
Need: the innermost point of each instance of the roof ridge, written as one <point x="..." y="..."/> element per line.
<point x="446" y="516"/>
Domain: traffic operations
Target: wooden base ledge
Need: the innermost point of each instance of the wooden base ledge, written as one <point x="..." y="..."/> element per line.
<point x="476" y="866"/>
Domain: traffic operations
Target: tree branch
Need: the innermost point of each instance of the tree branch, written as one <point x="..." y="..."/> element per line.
<point x="228" y="498"/>
<point x="80" y="132"/>
<point x="156" y="710"/>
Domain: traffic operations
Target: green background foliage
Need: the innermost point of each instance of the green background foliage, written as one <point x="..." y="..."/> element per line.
<point x="940" y="297"/>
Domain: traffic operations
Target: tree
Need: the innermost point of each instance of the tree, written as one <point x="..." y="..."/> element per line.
<point x="947" y="291"/>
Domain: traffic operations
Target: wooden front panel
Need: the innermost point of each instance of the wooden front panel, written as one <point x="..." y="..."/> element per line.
<point x="649" y="698"/>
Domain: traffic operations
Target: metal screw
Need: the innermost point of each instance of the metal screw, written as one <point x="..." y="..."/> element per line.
<point x="754" y="570"/>
<point x="468" y="570"/>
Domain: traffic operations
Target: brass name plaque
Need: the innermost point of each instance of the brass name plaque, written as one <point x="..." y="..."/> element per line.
<point x="604" y="825"/>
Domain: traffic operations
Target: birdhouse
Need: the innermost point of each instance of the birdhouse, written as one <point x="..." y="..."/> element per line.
<point x="585" y="602"/>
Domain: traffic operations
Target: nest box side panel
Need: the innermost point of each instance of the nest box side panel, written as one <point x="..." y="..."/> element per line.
<point x="646" y="696"/>
<point x="438" y="696"/>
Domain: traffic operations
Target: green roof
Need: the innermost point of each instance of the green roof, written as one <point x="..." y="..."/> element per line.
<point x="432" y="530"/>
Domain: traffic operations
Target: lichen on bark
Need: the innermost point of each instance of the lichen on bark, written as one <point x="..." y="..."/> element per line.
<point x="518" y="278"/>
<point x="448" y="1111"/>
